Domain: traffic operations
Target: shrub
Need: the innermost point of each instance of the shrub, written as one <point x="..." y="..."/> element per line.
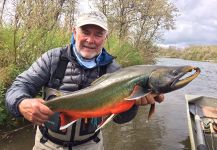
<point x="126" y="54"/>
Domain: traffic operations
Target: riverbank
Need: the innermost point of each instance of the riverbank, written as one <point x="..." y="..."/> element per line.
<point x="12" y="127"/>
<point x="21" y="138"/>
<point x="208" y="60"/>
<point x="197" y="53"/>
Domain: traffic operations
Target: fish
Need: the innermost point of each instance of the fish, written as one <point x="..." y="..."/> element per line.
<point x="114" y="93"/>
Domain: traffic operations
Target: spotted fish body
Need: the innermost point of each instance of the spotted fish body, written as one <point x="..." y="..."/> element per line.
<point x="117" y="92"/>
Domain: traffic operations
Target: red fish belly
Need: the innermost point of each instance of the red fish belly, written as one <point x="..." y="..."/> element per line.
<point x="70" y="115"/>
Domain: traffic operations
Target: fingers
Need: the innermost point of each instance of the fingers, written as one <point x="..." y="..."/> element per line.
<point x="45" y="110"/>
<point x="38" y="121"/>
<point x="138" y="102"/>
<point x="150" y="99"/>
<point x="159" y="98"/>
<point x="35" y="111"/>
<point x="145" y="100"/>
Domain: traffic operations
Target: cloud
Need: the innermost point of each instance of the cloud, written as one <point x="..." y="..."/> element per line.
<point x="197" y="23"/>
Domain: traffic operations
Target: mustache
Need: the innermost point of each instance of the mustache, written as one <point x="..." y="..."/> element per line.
<point x="90" y="45"/>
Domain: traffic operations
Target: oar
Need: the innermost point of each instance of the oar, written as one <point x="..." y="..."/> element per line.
<point x="201" y="145"/>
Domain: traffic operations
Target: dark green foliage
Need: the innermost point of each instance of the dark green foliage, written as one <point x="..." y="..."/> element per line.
<point x="126" y="54"/>
<point x="3" y="113"/>
<point x="7" y="74"/>
<point x="17" y="52"/>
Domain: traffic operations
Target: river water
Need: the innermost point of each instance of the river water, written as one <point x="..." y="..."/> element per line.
<point x="167" y="129"/>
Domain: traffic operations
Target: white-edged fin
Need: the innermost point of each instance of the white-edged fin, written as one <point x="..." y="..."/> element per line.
<point x="67" y="125"/>
<point x="105" y="122"/>
<point x="138" y="92"/>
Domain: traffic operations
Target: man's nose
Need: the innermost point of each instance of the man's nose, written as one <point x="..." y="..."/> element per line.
<point x="90" y="39"/>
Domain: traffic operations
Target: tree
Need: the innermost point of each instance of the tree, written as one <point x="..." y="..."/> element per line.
<point x="130" y="17"/>
<point x="153" y="16"/>
<point x="2" y="11"/>
<point x="119" y="14"/>
<point x="35" y="21"/>
<point x="69" y="12"/>
<point x="139" y="21"/>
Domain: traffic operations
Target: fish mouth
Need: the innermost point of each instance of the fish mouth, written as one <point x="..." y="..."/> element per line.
<point x="188" y="74"/>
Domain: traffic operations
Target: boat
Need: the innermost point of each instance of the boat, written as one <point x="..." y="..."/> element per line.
<point x="202" y="122"/>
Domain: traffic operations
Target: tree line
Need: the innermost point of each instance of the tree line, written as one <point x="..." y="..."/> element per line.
<point x="193" y="52"/>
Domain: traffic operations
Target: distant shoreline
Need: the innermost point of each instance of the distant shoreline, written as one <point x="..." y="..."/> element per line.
<point x="209" y="60"/>
<point x="195" y="53"/>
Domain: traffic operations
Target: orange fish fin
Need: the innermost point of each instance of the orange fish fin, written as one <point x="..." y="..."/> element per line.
<point x="137" y="93"/>
<point x="67" y="125"/>
<point x="65" y="120"/>
<point x="107" y="120"/>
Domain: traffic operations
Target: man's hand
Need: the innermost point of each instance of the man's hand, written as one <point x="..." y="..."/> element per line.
<point x="34" y="110"/>
<point x="150" y="99"/>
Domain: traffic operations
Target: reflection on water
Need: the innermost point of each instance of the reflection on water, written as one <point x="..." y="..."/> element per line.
<point x="167" y="129"/>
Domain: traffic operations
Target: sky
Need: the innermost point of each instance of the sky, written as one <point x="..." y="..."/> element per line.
<point x="195" y="25"/>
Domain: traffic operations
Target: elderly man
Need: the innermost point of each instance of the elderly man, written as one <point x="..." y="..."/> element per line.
<point x="68" y="69"/>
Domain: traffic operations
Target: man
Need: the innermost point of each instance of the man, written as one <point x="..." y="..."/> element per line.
<point x="68" y="69"/>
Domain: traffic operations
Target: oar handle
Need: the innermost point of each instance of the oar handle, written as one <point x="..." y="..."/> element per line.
<point x="202" y="147"/>
<point x="200" y="137"/>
